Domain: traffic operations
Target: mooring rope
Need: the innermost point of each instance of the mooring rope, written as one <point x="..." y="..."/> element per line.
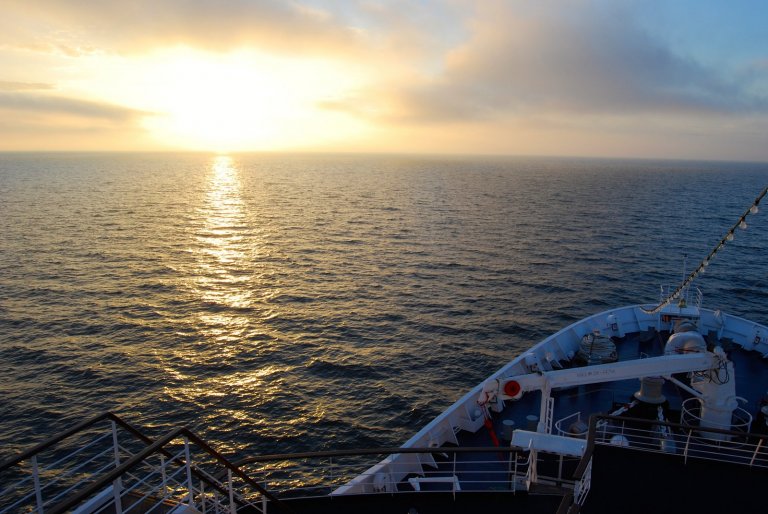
<point x="741" y="223"/>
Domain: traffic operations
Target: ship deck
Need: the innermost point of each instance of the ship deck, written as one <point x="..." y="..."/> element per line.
<point x="575" y="405"/>
<point x="459" y="475"/>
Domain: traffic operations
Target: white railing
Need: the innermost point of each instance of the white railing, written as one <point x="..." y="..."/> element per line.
<point x="316" y="477"/>
<point x="456" y="469"/>
<point x="108" y="472"/>
<point x="160" y="482"/>
<point x="692" y="296"/>
<point x="686" y="441"/>
<point x="564" y="422"/>
<point x="122" y="471"/>
<point x="741" y="419"/>
<point x="582" y="486"/>
<point x="43" y="479"/>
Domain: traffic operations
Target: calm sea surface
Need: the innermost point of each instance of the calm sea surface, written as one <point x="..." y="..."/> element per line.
<point x="278" y="303"/>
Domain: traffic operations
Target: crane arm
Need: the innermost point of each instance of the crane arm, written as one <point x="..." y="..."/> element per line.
<point x="637" y="368"/>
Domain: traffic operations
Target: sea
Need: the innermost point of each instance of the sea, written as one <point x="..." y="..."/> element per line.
<point x="295" y="302"/>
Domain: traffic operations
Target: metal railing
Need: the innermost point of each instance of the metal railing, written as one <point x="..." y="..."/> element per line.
<point x="455" y="469"/>
<point x="684" y="440"/>
<point x="314" y="474"/>
<point x="121" y="470"/>
<point x="675" y="439"/>
<point x="157" y="479"/>
<point x="692" y="296"/>
<point x="59" y="467"/>
<point x="106" y="465"/>
<point x="690" y="414"/>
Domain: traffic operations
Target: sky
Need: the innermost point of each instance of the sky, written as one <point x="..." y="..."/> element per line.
<point x="613" y="78"/>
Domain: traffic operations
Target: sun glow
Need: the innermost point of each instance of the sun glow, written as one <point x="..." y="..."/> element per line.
<point x="239" y="101"/>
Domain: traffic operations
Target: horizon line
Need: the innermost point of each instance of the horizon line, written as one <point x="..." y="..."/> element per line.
<point x="446" y="155"/>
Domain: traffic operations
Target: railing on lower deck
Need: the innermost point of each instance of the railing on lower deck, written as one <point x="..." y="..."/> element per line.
<point x="106" y="465"/>
<point x="316" y="474"/>
<point x="178" y="469"/>
<point x="683" y="441"/>
<point x="38" y="479"/>
<point x="456" y="469"/>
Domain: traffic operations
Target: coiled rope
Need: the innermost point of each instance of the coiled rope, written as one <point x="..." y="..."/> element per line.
<point x="597" y="349"/>
<point x="741" y="223"/>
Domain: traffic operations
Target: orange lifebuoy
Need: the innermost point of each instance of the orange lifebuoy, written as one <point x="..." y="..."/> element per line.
<point x="513" y="389"/>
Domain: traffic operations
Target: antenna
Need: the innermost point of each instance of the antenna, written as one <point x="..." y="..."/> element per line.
<point x="685" y="265"/>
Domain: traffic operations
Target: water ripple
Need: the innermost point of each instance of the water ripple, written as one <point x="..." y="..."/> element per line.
<point x="282" y="303"/>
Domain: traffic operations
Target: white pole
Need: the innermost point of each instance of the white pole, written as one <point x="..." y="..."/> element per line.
<point x="118" y="483"/>
<point x="190" y="485"/>
<point x="38" y="490"/>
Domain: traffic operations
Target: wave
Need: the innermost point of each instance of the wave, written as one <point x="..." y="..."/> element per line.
<point x="369" y="282"/>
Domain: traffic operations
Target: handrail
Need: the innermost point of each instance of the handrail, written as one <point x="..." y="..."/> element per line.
<point x="683" y="426"/>
<point x="596" y="418"/>
<point x="581" y="469"/>
<point x="377" y="451"/>
<point x="590" y="448"/>
<point x="70" y="432"/>
<point x="31" y="452"/>
<point x="155" y="447"/>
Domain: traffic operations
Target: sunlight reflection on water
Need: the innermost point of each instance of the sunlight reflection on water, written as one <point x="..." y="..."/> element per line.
<point x="223" y="275"/>
<point x="223" y="284"/>
<point x="284" y="303"/>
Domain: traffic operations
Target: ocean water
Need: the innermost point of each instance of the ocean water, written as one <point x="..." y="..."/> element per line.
<point x="302" y="302"/>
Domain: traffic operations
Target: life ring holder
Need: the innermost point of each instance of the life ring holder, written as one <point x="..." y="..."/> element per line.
<point x="513" y="389"/>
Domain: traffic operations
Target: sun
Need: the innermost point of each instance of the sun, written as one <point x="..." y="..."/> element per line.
<point x="243" y="101"/>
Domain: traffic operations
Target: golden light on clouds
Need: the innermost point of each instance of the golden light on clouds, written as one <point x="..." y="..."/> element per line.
<point x="596" y="78"/>
<point x="235" y="101"/>
<point x="242" y="100"/>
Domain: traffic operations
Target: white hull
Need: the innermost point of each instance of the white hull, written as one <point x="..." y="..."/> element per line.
<point x="465" y="414"/>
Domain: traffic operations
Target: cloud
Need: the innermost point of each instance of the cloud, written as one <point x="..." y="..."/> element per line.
<point x="75" y="27"/>
<point x="579" y="58"/>
<point x="27" y="102"/>
<point x="33" y="119"/>
<point x="24" y="86"/>
<point x="450" y="71"/>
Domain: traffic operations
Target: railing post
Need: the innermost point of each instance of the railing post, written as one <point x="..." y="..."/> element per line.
<point x="232" y="508"/>
<point x="757" y="450"/>
<point x="581" y="488"/>
<point x="514" y="477"/>
<point x="190" y="485"/>
<point x="38" y="490"/>
<point x="455" y="478"/>
<point x="264" y="498"/>
<point x="117" y="485"/>
<point x="164" y="475"/>
<point x="454" y="466"/>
